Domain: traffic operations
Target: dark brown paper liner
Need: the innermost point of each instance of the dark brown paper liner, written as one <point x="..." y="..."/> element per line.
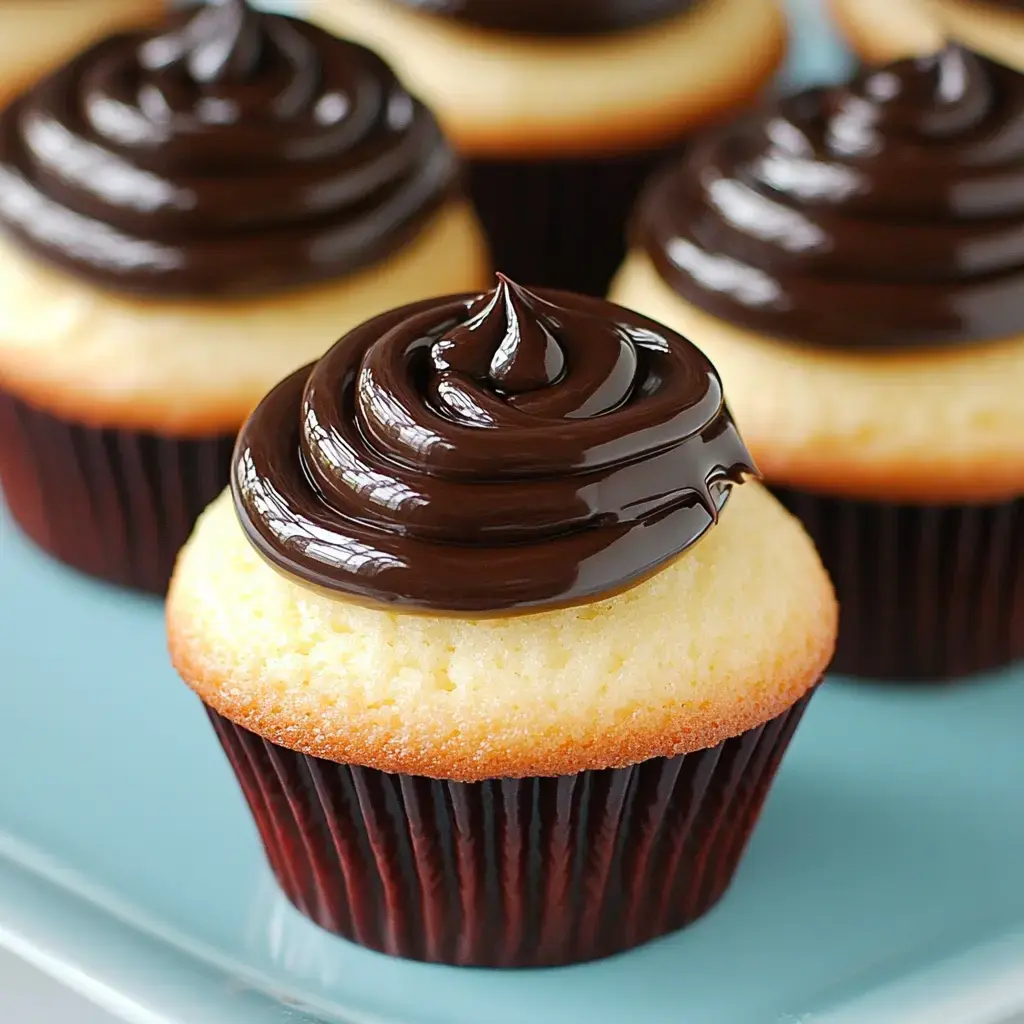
<point x="117" y="504"/>
<point x="925" y="592"/>
<point x="508" y="872"/>
<point x="560" y="223"/>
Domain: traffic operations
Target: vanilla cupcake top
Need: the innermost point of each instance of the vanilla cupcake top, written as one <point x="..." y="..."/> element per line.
<point x="230" y="152"/>
<point x="884" y="214"/>
<point x="485" y="454"/>
<point x="554" y="17"/>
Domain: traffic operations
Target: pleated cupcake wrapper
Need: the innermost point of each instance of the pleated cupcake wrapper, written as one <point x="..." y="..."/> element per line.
<point x="508" y="872"/>
<point x="117" y="504"/>
<point x="925" y="592"/>
<point x="560" y="223"/>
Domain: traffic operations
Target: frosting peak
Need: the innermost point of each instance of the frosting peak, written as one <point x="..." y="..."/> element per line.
<point x="224" y="42"/>
<point x="887" y="213"/>
<point x="517" y="347"/>
<point x="482" y="454"/>
<point x="936" y="96"/>
<point x="231" y="151"/>
<point x="504" y="344"/>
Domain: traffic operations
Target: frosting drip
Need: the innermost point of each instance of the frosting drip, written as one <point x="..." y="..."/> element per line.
<point x="233" y="152"/>
<point x="884" y="214"/>
<point x="484" y="454"/>
<point x="554" y="17"/>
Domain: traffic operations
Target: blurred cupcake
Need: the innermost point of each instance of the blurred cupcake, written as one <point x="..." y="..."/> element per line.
<point x="37" y="35"/>
<point x="185" y="217"/>
<point x="886" y="30"/>
<point x="503" y="659"/>
<point x="563" y="108"/>
<point x="853" y="262"/>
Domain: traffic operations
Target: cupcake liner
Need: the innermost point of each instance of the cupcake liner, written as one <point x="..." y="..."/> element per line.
<point x="117" y="504"/>
<point x="560" y="223"/>
<point x="507" y="872"/>
<point x="925" y="592"/>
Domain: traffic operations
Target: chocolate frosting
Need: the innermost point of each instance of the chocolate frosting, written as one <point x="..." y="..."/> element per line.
<point x="232" y="152"/>
<point x="888" y="213"/>
<point x="554" y="17"/>
<point x="490" y="453"/>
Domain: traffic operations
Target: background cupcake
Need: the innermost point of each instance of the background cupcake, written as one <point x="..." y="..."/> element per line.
<point x="562" y="109"/>
<point x="852" y="261"/>
<point x="37" y="35"/>
<point x="885" y="30"/>
<point x="416" y="630"/>
<point x="186" y="216"/>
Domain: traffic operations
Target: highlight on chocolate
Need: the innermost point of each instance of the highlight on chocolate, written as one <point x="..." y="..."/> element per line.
<point x="485" y="453"/>
<point x="229" y="151"/>
<point x="897" y="197"/>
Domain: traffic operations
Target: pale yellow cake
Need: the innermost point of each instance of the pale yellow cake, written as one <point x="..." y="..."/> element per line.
<point x="496" y="94"/>
<point x="886" y="30"/>
<point x="840" y="422"/>
<point x="191" y="367"/>
<point x="729" y="635"/>
<point x="38" y="35"/>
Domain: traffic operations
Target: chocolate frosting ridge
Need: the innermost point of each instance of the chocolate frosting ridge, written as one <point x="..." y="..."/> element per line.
<point x="554" y="17"/>
<point x="888" y="213"/>
<point x="231" y="152"/>
<point x="491" y="453"/>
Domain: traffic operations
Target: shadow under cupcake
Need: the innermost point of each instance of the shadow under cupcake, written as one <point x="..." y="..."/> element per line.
<point x="186" y="215"/>
<point x="502" y="642"/>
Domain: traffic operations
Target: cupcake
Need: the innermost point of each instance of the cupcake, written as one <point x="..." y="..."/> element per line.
<point x="37" y="35"/>
<point x="186" y="216"/>
<point x="886" y="30"/>
<point x="852" y="260"/>
<point x="502" y="649"/>
<point x="562" y="109"/>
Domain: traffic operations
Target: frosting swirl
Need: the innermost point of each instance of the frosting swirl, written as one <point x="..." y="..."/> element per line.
<point x="481" y="454"/>
<point x="554" y="17"/>
<point x="886" y="213"/>
<point x="232" y="152"/>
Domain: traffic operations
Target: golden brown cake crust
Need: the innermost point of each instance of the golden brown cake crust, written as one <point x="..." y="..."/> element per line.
<point x="726" y="638"/>
<point x="640" y="88"/>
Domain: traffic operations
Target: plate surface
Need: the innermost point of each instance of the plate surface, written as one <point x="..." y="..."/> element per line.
<point x="883" y="883"/>
<point x="886" y="867"/>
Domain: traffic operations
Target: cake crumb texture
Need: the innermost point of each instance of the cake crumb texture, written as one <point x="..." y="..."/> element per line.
<point x="498" y="94"/>
<point x="726" y="637"/>
<point x="941" y="425"/>
<point x="195" y="367"/>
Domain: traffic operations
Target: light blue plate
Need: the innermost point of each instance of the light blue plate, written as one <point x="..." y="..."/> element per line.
<point x="883" y="884"/>
<point x="888" y="857"/>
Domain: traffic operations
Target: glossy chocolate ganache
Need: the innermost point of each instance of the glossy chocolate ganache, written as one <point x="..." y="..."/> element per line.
<point x="490" y="453"/>
<point x="888" y="213"/>
<point x="554" y="17"/>
<point x="231" y="152"/>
